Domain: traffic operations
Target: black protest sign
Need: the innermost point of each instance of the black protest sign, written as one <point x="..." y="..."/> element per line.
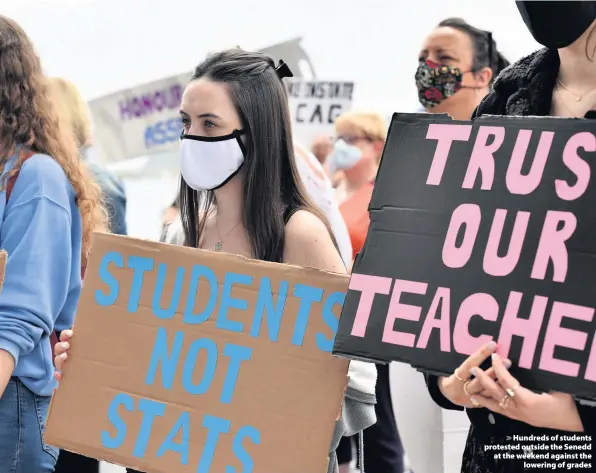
<point x="480" y="231"/>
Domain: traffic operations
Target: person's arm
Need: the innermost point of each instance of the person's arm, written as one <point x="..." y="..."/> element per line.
<point x="308" y="243"/>
<point x="432" y="383"/>
<point x="36" y="235"/>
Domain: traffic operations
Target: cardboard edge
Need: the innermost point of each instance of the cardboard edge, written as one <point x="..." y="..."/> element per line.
<point x="154" y="246"/>
<point x="359" y="357"/>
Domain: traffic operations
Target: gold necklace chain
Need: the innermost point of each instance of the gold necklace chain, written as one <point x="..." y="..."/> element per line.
<point x="578" y="97"/>
<point x="219" y="244"/>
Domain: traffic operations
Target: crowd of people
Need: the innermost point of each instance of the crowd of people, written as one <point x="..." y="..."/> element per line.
<point x="313" y="211"/>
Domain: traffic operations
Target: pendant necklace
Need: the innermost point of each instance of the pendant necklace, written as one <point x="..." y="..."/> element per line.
<point x="578" y="97"/>
<point x="219" y="244"/>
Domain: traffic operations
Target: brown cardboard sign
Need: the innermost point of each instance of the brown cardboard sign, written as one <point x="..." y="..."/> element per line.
<point x="188" y="360"/>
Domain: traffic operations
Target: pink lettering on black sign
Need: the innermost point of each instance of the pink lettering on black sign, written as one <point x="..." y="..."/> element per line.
<point x="481" y="231"/>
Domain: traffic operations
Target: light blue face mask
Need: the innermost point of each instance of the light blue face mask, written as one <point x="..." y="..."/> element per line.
<point x="343" y="156"/>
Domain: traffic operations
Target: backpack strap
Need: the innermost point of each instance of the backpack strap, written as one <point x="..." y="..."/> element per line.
<point x="361" y="451"/>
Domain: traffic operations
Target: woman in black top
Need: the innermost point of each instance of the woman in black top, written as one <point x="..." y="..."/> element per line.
<point x="559" y="80"/>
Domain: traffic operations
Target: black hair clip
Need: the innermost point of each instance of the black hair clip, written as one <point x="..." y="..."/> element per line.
<point x="283" y="70"/>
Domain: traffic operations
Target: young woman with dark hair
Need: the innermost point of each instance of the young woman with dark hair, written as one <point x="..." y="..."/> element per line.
<point x="457" y="65"/>
<point x="240" y="191"/>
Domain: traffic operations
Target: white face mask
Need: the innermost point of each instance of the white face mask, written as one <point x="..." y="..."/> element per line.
<point x="344" y="156"/>
<point x="207" y="163"/>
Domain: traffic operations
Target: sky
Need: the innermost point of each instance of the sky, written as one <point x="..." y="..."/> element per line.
<point x="107" y="45"/>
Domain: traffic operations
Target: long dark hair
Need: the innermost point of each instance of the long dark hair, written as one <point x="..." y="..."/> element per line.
<point x="486" y="53"/>
<point x="272" y="185"/>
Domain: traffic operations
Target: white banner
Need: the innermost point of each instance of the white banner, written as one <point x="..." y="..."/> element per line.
<point x="315" y="105"/>
<point x="139" y="121"/>
<point x="144" y="120"/>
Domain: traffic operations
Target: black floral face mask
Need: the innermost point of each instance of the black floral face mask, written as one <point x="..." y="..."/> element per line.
<point x="436" y="82"/>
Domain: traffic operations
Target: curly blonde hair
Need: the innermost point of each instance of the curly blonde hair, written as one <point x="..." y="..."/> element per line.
<point x="72" y="108"/>
<point x="29" y="119"/>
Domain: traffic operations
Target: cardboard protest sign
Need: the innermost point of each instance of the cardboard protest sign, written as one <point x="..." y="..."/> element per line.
<point x="144" y="120"/>
<point x="186" y="360"/>
<point x="481" y="231"/>
<point x="315" y="105"/>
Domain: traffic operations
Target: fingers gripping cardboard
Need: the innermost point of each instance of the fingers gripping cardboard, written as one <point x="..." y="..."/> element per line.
<point x="186" y="360"/>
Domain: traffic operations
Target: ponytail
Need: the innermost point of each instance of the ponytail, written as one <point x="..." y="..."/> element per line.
<point x="486" y="53"/>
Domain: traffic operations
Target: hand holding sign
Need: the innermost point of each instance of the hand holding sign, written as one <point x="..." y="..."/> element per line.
<point x="481" y="231"/>
<point x="61" y="352"/>
<point x="505" y="396"/>
<point x="459" y="387"/>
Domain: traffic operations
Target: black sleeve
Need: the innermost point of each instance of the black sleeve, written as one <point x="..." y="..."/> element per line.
<point x="492" y="104"/>
<point x="432" y="383"/>
<point x="587" y="414"/>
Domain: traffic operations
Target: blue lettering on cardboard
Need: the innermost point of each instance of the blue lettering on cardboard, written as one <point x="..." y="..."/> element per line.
<point x="120" y="399"/>
<point x="237" y="355"/>
<point x="104" y="274"/>
<point x="140" y="265"/>
<point x="307" y="296"/>
<point x="158" y="311"/>
<point x="265" y="304"/>
<point x="229" y="302"/>
<point x="167" y="357"/>
<point x="182" y="428"/>
<point x="209" y="275"/>
<point x="216" y="427"/>
<point x="161" y="355"/>
<point x="326" y="344"/>
<point x="196" y="347"/>
<point x="150" y="409"/>
<point x="254" y="436"/>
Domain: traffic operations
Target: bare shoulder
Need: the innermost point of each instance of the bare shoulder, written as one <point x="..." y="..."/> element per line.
<point x="309" y="243"/>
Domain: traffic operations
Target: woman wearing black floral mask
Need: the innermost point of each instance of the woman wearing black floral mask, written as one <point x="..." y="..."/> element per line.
<point x="558" y="80"/>
<point x="457" y="66"/>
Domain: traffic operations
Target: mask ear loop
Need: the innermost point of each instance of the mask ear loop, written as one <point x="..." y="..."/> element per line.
<point x="238" y="134"/>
